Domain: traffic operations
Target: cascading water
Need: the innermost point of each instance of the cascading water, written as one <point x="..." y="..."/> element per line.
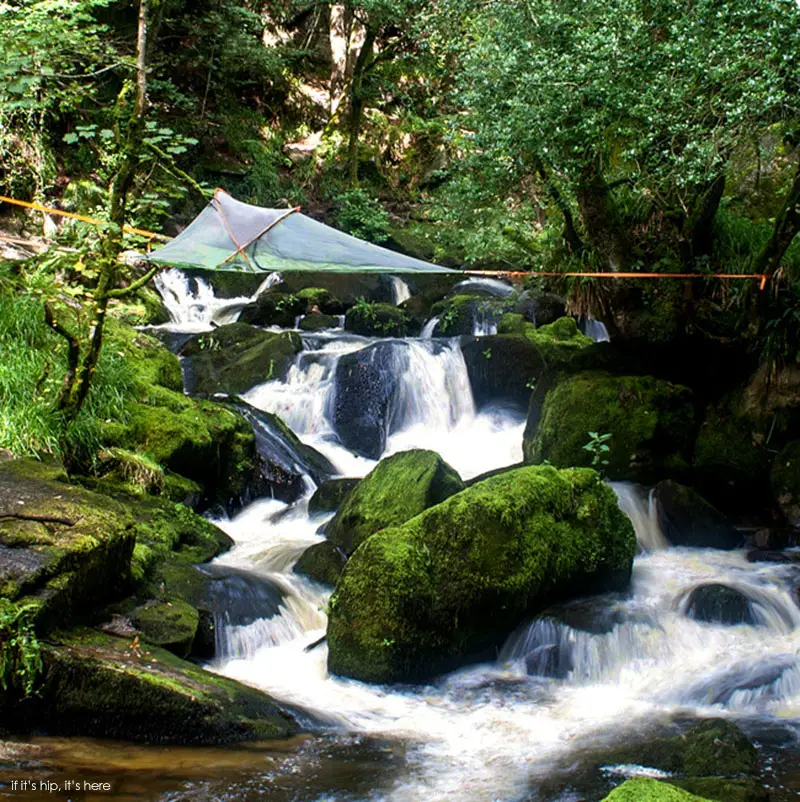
<point x="595" y="329"/>
<point x="488" y="286"/>
<point x="400" y="290"/>
<point x="579" y="678"/>
<point x="198" y="309"/>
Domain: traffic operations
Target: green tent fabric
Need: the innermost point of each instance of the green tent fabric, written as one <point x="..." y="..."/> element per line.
<point x="231" y="235"/>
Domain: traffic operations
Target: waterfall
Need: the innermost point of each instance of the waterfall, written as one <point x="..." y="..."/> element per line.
<point x="199" y="309"/>
<point x="400" y="290"/>
<point x="429" y="328"/>
<point x="643" y="514"/>
<point x="488" y="286"/>
<point x="595" y="329"/>
<point x="485" y="322"/>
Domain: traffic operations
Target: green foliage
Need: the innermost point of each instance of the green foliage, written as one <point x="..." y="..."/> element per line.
<point x="32" y="365"/>
<point x="598" y="447"/>
<point x="20" y="653"/>
<point x="780" y="341"/>
<point x="361" y="215"/>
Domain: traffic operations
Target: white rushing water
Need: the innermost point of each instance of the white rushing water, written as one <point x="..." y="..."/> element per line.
<point x="400" y="290"/>
<point x="197" y="309"/>
<point x="595" y="329"/>
<point x="495" y="731"/>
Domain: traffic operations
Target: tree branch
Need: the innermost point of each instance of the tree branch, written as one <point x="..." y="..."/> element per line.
<point x="136" y="285"/>
<point x="73" y="355"/>
<point x="44" y="519"/>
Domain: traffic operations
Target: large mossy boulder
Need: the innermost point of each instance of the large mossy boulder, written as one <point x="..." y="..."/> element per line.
<point x="103" y="686"/>
<point x="785" y="479"/>
<point x="557" y="342"/>
<point x="449" y="585"/>
<point x="377" y="320"/>
<point x="318" y="322"/>
<point x="462" y="314"/>
<point x="63" y="549"/>
<point x="651" y="423"/>
<point x="235" y="358"/>
<point x="643" y="789"/>
<point x="172" y="625"/>
<point x="687" y="519"/>
<point x="323" y="299"/>
<point x="713" y="759"/>
<point x="273" y="308"/>
<point x="729" y="466"/>
<point x="502" y="367"/>
<point x="397" y="489"/>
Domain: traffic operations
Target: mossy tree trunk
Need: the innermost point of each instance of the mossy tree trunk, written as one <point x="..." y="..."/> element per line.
<point x="84" y="354"/>
<point x="365" y="57"/>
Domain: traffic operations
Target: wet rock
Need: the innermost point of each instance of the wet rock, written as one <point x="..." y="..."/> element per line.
<point x="237" y="357"/>
<point x="651" y="423"/>
<point x="785" y="479"/>
<point x="323" y="299"/>
<point x="548" y="661"/>
<point x="170" y="625"/>
<point x="377" y="320"/>
<point x="503" y="366"/>
<point x="322" y="562"/>
<point x="102" y="686"/>
<point x="235" y="596"/>
<point x="397" y="489"/>
<point x="316" y="322"/>
<point x="283" y="458"/>
<point x="719" y="604"/>
<point x="364" y="384"/>
<point x="273" y="308"/>
<point x="68" y="550"/>
<point x="460" y="314"/>
<point x="424" y="597"/>
<point x="687" y="519"/>
<point x="329" y="496"/>
<point x="764" y="556"/>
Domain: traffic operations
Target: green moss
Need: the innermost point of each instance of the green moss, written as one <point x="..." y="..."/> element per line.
<point x="273" y="308"/>
<point x="101" y="686"/>
<point x="420" y="598"/>
<point x="236" y="357"/>
<point x="786" y="482"/>
<point x="511" y="323"/>
<point x="328" y="497"/>
<point x="171" y="625"/>
<point x="646" y="790"/>
<point x="323" y="299"/>
<point x="557" y="342"/>
<point x="152" y="362"/>
<point x="322" y="562"/>
<point x="650" y="421"/>
<point x="398" y="488"/>
<point x="144" y="308"/>
<point x="722" y="789"/>
<point x="316" y="322"/>
<point x="457" y="314"/>
<point x="377" y="320"/>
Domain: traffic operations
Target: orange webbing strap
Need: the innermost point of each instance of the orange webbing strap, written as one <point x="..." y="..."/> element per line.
<point x="151" y="235"/>
<point x="762" y="277"/>
<point x="260" y="234"/>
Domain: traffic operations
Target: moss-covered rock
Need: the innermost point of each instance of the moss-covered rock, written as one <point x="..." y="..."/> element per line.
<point x="502" y="366"/>
<point x="172" y="625"/>
<point x="785" y="478"/>
<point x="322" y="562"/>
<point x="557" y="342"/>
<point x="451" y="583"/>
<point x="317" y="322"/>
<point x="235" y="358"/>
<point x="729" y="466"/>
<point x="144" y="308"/>
<point x="63" y="549"/>
<point x="152" y="363"/>
<point x="651" y="423"/>
<point x="397" y="489"/>
<point x="457" y="315"/>
<point x="323" y="299"/>
<point x="103" y="686"/>
<point x="328" y="497"/>
<point x="643" y="789"/>
<point x="273" y="308"/>
<point x="377" y="320"/>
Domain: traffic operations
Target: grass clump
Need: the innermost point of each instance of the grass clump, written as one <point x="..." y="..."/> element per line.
<point x="20" y="653"/>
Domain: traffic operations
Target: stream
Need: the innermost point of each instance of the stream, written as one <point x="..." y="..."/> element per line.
<point x="627" y="665"/>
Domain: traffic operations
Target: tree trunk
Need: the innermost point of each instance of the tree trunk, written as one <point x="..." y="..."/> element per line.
<point x="786" y="228"/>
<point x="601" y="221"/>
<point x="357" y="104"/>
<point x="698" y="228"/>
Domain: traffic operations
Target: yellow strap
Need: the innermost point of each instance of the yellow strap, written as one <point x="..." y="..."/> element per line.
<point x="91" y="220"/>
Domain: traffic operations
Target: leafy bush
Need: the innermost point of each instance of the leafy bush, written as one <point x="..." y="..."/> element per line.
<point x="20" y="653"/>
<point x="361" y="215"/>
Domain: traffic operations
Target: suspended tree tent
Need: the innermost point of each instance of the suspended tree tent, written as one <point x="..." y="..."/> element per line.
<point x="230" y="235"/>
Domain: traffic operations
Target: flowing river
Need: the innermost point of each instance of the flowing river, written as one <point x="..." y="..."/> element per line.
<point x="625" y="665"/>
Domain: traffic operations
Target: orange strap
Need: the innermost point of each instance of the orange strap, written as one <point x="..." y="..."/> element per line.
<point x="762" y="277"/>
<point x="91" y="220"/>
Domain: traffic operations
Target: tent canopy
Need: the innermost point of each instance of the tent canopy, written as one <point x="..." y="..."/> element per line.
<point x="230" y="235"/>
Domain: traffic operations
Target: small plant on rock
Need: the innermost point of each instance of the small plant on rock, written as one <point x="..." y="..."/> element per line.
<point x="598" y="447"/>
<point x="20" y="653"/>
